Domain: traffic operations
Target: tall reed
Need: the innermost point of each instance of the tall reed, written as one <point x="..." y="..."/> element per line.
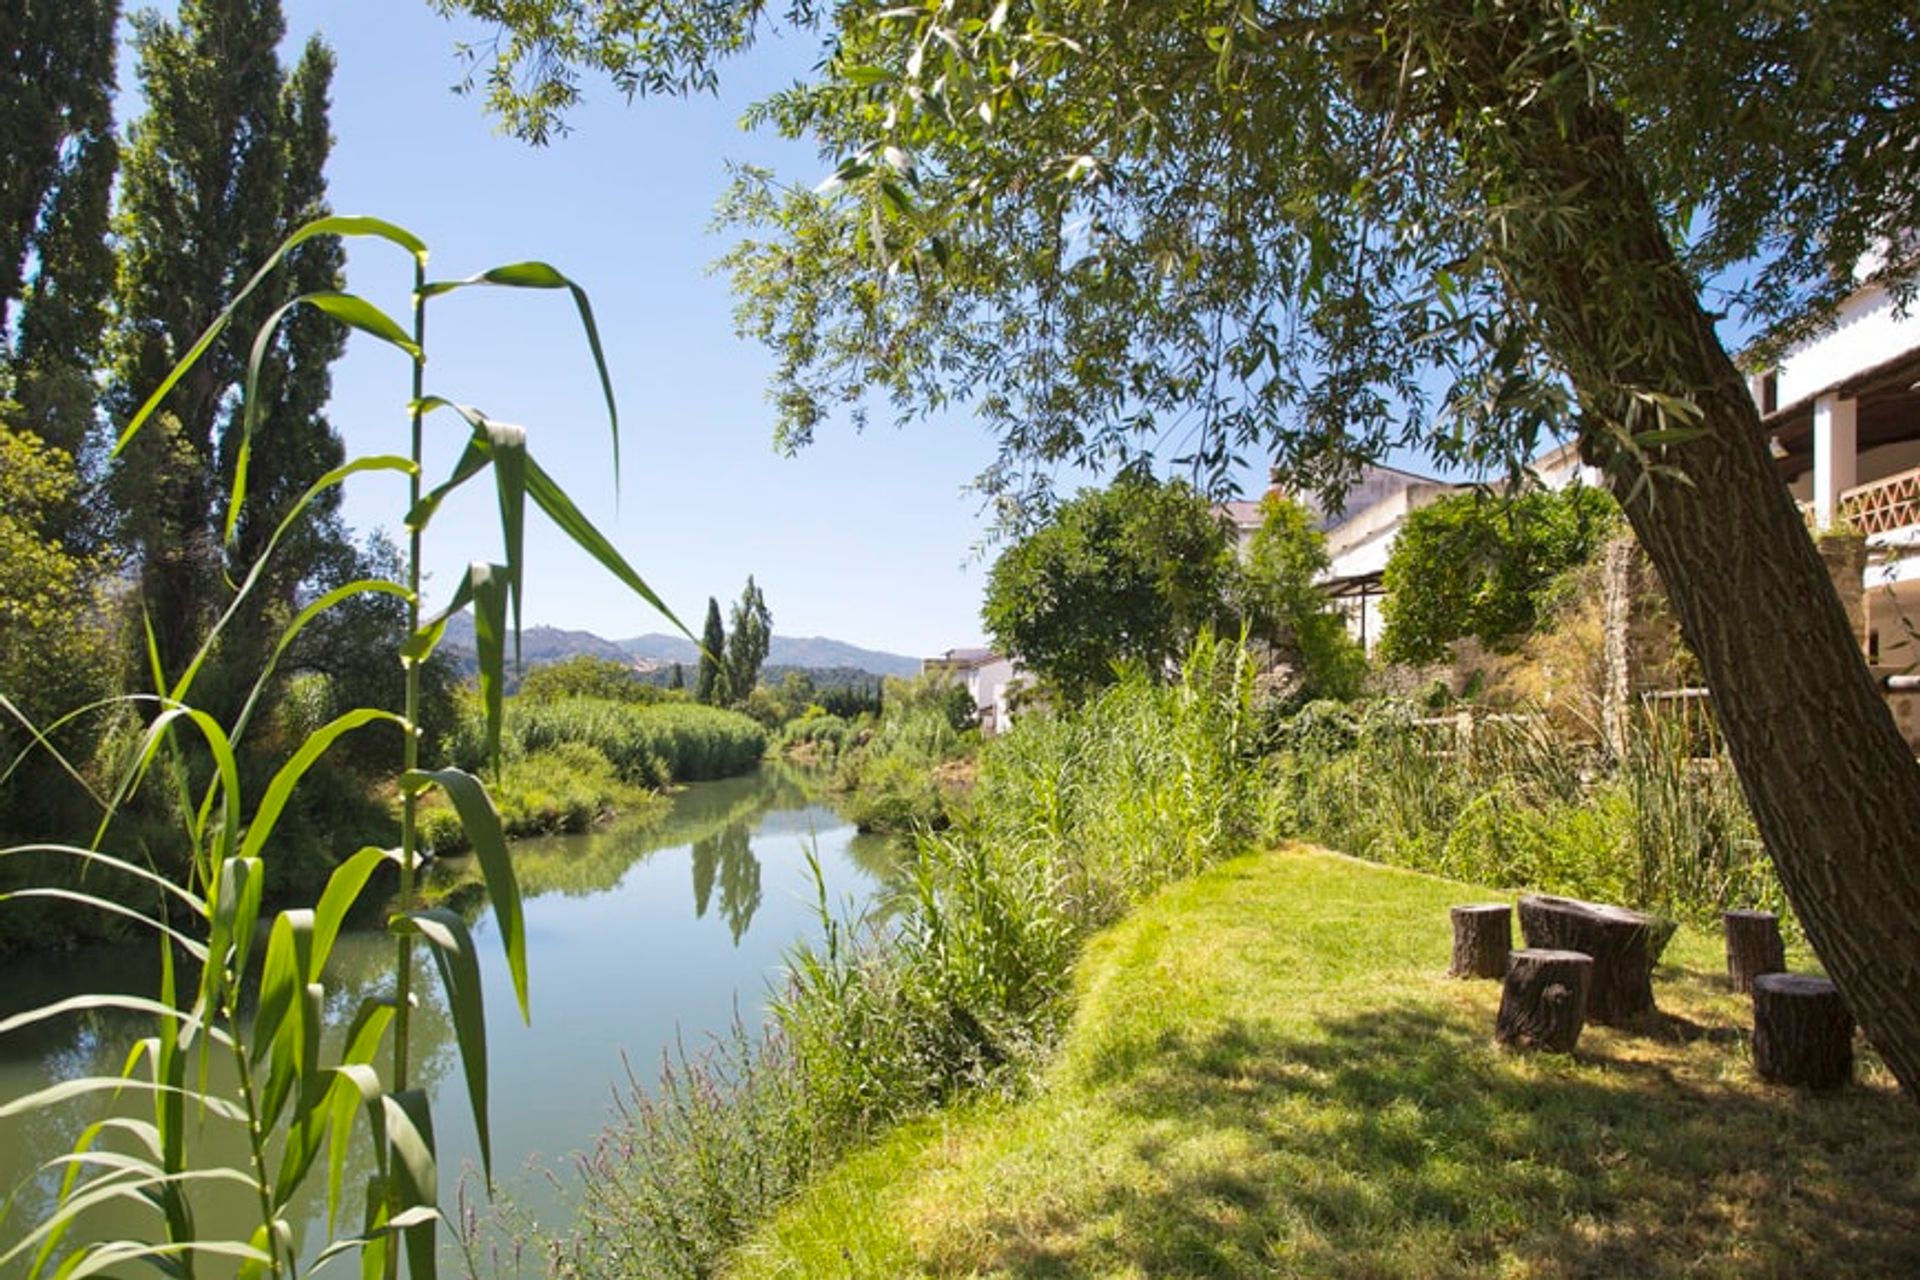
<point x="262" y="1026"/>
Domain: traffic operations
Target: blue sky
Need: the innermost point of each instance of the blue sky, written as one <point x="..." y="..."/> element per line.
<point x="867" y="538"/>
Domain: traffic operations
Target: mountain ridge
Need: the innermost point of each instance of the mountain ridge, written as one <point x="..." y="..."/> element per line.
<point x="540" y="645"/>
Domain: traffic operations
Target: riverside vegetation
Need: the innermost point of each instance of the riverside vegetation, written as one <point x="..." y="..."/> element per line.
<point x="1076" y="816"/>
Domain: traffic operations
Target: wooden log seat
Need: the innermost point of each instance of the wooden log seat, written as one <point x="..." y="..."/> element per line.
<point x="1543" y="1003"/>
<point x="1802" y="1032"/>
<point x="1482" y="940"/>
<point x="1754" y="947"/>
<point x="1620" y="942"/>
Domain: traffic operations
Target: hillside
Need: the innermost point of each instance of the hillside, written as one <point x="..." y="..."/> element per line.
<point x="541" y="645"/>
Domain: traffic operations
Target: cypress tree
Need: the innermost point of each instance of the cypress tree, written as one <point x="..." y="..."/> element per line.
<point x="747" y="645"/>
<point x="678" y="680"/>
<point x="57" y="161"/>
<point x="710" y="686"/>
<point x="227" y="160"/>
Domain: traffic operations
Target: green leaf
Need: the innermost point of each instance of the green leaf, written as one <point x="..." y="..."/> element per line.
<point x="508" y="446"/>
<point x="490" y="591"/>
<point x="274" y="801"/>
<point x="349" y="309"/>
<point x="339" y="475"/>
<point x="337" y="225"/>
<point x="186" y="943"/>
<point x="482" y="824"/>
<point x="539" y="275"/>
<point x="459" y="965"/>
<point x="415" y="1174"/>
<point x="65" y="1090"/>
<point x="553" y="500"/>
<point x="355" y="1080"/>
<point x="342" y="891"/>
<point x="282" y="975"/>
<point x="81" y="1004"/>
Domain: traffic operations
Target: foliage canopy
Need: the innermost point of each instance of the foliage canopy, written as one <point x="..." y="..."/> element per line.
<point x="1126" y="574"/>
<point x="1475" y="564"/>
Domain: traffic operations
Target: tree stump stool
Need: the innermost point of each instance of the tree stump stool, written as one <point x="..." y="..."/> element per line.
<point x="1802" y="1032"/>
<point x="1617" y="939"/>
<point x="1753" y="947"/>
<point x="1482" y="940"/>
<point x="1543" y="1003"/>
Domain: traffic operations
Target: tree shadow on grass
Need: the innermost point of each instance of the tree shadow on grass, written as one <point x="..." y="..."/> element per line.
<point x="1402" y="1143"/>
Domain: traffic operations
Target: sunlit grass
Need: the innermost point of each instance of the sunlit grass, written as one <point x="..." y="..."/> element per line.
<point x="1269" y="1074"/>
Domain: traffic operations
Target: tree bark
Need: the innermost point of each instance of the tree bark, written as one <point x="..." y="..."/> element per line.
<point x="1574" y="234"/>
<point x="1802" y="1032"/>
<point x="1754" y="947"/>
<point x="1621" y="990"/>
<point x="1543" y="1004"/>
<point x="1482" y="940"/>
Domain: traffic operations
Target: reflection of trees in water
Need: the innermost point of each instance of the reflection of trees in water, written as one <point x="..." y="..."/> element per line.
<point x="729" y="854"/>
<point x="96" y="1043"/>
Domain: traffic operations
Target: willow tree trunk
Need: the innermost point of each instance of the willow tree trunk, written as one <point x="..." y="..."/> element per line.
<point x="1576" y="237"/>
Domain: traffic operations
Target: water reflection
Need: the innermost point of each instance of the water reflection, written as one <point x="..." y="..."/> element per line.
<point x="621" y="970"/>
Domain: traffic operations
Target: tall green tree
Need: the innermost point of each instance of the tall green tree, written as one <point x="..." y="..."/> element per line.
<point x="228" y="158"/>
<point x="1126" y="574"/>
<point x="747" y="641"/>
<point x="1282" y="602"/>
<point x="1323" y="227"/>
<point x="58" y="155"/>
<point x="710" y="685"/>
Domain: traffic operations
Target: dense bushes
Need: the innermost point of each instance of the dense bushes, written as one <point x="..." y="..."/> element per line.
<point x="1508" y="801"/>
<point x="1080" y="816"/>
<point x="565" y="788"/>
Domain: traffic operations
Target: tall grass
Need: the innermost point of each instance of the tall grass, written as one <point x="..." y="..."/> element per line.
<point x="1508" y="801"/>
<point x="650" y="746"/>
<point x="1078" y="816"/>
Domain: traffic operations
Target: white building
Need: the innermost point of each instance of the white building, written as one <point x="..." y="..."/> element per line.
<point x="989" y="677"/>
<point x="1842" y="413"/>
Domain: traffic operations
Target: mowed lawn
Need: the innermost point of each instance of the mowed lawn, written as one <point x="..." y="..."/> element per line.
<point x="1269" y="1073"/>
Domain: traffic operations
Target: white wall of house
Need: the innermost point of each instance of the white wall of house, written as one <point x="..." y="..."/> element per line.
<point x="1868" y="332"/>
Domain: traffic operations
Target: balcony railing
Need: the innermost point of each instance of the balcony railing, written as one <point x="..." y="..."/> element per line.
<point x="1884" y="505"/>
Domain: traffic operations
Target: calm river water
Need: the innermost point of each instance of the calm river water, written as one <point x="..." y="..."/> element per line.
<point x="637" y="936"/>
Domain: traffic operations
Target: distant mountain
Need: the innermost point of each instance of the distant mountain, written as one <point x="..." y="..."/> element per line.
<point x="541" y="645"/>
<point x="784" y="651"/>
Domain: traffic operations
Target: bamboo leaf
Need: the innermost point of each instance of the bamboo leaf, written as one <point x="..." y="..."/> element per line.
<point x="553" y="500"/>
<point x="539" y="275"/>
<point x="192" y="900"/>
<point x="342" y="891"/>
<point x="99" y="1258"/>
<point x="482" y="824"/>
<point x="349" y="309"/>
<point x="490" y="591"/>
<point x="185" y="943"/>
<point x="415" y="1174"/>
<point x="339" y="475"/>
<point x="336" y="225"/>
<point x="65" y="1090"/>
<point x="81" y="1004"/>
<point x="508" y="446"/>
<point x="274" y="800"/>
<point x="459" y="965"/>
<point x="282" y="976"/>
<point x="355" y="1080"/>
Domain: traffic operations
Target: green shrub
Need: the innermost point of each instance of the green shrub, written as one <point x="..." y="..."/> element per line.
<point x="564" y="788"/>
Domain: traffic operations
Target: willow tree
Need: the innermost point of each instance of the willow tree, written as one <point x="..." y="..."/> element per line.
<point x="1324" y="228"/>
<point x="228" y="158"/>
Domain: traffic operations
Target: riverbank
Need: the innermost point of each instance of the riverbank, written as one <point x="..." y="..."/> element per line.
<point x="1267" y="1072"/>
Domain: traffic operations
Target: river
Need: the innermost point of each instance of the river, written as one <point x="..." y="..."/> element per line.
<point x="640" y="937"/>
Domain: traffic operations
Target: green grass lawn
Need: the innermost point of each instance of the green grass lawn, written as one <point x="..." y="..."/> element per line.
<point x="1269" y="1074"/>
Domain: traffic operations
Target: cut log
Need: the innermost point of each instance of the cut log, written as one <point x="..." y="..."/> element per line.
<point x="1802" y="1032"/>
<point x="1753" y="947"/>
<point x="1482" y="940"/>
<point x="1619" y="941"/>
<point x="1543" y="1003"/>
